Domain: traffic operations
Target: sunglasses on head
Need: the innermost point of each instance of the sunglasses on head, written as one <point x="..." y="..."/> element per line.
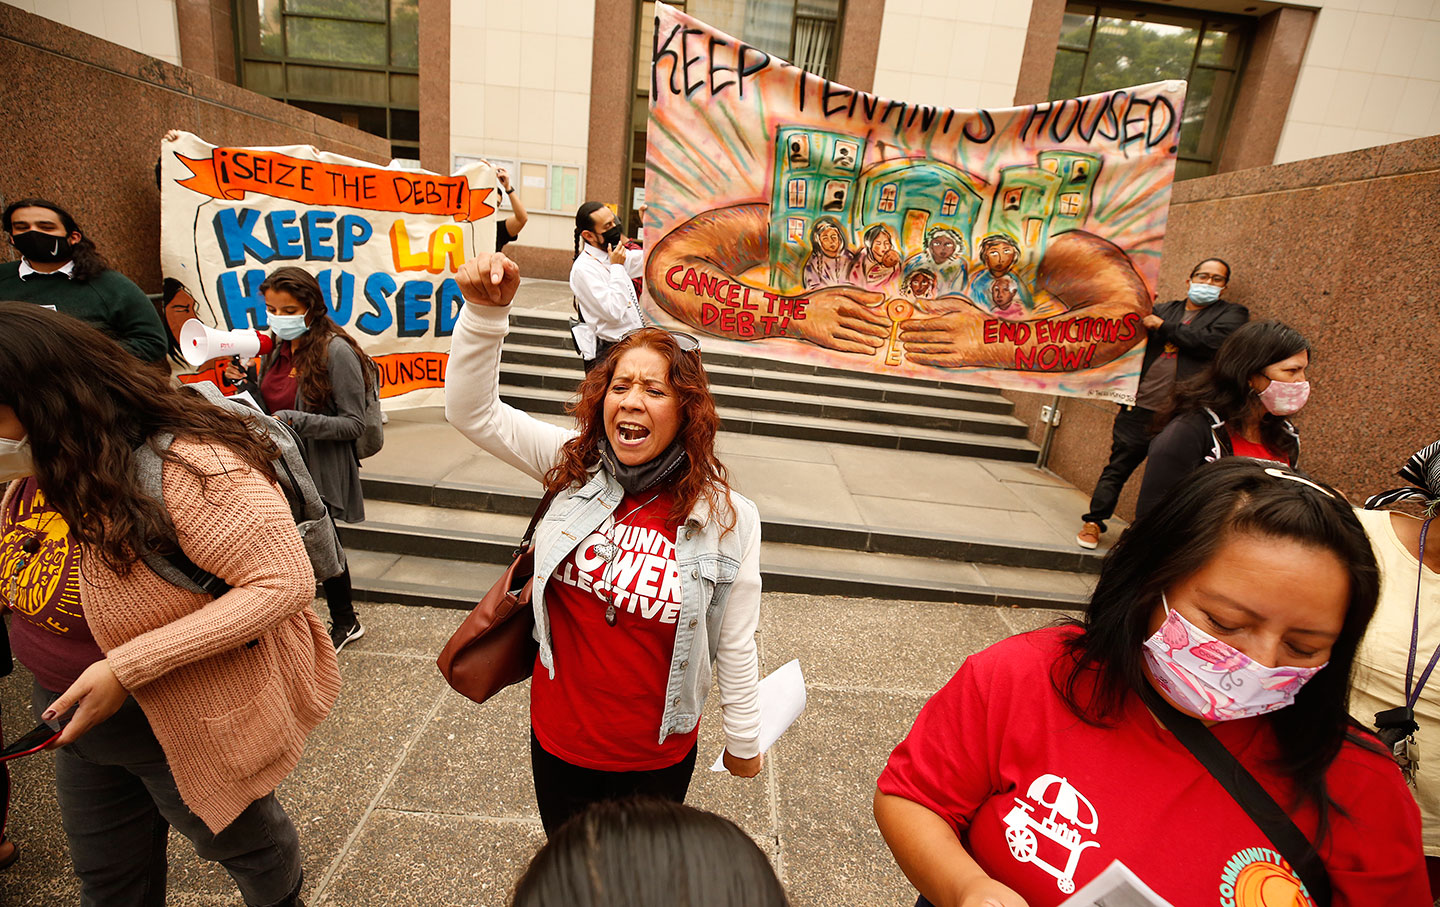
<point x="687" y="342"/>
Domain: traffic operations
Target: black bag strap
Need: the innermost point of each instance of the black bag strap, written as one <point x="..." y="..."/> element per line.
<point x="1254" y="799"/>
<point x="207" y="581"/>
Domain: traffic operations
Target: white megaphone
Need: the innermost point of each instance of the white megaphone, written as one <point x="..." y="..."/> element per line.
<point x="199" y="343"/>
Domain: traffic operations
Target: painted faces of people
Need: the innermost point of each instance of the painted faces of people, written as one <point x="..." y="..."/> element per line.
<point x="999" y="257"/>
<point x="922" y="285"/>
<point x="942" y="248"/>
<point x="1003" y="294"/>
<point x="830" y="240"/>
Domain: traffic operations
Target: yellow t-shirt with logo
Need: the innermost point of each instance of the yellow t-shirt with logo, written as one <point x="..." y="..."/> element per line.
<point x="1379" y="681"/>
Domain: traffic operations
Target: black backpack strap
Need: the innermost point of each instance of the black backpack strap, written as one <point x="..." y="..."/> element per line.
<point x="207" y="581"/>
<point x="1246" y="791"/>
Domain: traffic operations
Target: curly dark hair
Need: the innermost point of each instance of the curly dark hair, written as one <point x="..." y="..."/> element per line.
<point x="85" y="414"/>
<point x="705" y="478"/>
<point x="89" y="263"/>
<point x="311" y="350"/>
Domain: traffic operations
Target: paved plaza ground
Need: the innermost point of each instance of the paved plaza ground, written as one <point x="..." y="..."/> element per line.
<point x="410" y="794"/>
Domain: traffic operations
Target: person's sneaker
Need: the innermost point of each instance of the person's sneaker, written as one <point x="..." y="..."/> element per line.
<point x="1087" y="537"/>
<point x="347" y="632"/>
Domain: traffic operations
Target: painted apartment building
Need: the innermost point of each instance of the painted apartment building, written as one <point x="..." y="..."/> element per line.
<point x="556" y="90"/>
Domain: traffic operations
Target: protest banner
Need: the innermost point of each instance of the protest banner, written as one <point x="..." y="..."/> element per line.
<point x="383" y="243"/>
<point x="795" y="217"/>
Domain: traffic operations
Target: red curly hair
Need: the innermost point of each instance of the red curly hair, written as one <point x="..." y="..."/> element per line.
<point x="705" y="477"/>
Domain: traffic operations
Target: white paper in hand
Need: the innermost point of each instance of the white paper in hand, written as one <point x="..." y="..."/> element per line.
<point x="1116" y="886"/>
<point x="782" y="699"/>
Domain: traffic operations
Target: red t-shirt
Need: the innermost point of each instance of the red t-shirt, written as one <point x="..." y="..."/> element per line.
<point x="1044" y="801"/>
<point x="48" y="632"/>
<point x="1244" y="447"/>
<point x="603" y="708"/>
<point x="279" y="384"/>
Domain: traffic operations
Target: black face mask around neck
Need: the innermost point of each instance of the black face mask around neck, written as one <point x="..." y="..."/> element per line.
<point x="644" y="476"/>
<point x="45" y="248"/>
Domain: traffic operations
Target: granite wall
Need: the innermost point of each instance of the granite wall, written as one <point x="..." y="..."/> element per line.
<point x="83" y="123"/>
<point x="1342" y="248"/>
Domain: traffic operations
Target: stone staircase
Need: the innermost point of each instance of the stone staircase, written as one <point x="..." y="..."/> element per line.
<point x="441" y="538"/>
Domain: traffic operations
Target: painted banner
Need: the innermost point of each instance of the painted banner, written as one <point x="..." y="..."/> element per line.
<point x="384" y="244"/>
<point x="804" y="220"/>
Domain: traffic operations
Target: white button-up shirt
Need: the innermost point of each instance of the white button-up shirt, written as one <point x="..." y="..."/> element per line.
<point x="605" y="293"/>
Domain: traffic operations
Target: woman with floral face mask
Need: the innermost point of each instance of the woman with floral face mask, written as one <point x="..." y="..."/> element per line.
<point x="1238" y="406"/>
<point x="316" y="380"/>
<point x="1235" y="612"/>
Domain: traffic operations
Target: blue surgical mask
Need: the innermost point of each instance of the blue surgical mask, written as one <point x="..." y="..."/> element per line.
<point x="1203" y="294"/>
<point x="288" y="327"/>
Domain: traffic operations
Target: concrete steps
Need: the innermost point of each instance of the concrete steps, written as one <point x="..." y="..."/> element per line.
<point x="760" y="396"/>
<point x="443" y="544"/>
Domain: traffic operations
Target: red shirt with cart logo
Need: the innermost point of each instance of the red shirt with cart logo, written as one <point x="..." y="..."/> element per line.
<point x="603" y="708"/>
<point x="1044" y="802"/>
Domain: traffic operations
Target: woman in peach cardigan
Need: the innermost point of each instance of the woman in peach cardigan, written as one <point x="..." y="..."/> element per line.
<point x="178" y="709"/>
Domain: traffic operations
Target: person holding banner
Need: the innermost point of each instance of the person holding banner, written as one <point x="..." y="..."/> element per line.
<point x="1236" y="407"/>
<point x="316" y="380"/>
<point x="647" y="562"/>
<point x="60" y="268"/>
<point x="1215" y="654"/>
<point x="174" y="708"/>
<point x="1184" y="335"/>
<point x="507" y="229"/>
<point x="602" y="278"/>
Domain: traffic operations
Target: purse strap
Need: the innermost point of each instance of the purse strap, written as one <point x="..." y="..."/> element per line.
<point x="1254" y="799"/>
<point x="545" y="501"/>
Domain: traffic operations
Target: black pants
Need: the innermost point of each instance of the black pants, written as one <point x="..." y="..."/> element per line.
<point x="602" y="350"/>
<point x="1129" y="442"/>
<point x="339" y="598"/>
<point x="563" y="790"/>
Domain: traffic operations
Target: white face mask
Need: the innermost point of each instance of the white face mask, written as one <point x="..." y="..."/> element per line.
<point x="15" y="461"/>
<point x="1213" y="679"/>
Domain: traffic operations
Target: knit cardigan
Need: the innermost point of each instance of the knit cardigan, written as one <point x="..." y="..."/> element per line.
<point x="231" y="685"/>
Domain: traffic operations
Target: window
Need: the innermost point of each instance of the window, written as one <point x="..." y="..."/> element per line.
<point x="1114" y="46"/>
<point x="796" y="190"/>
<point x="804" y="32"/>
<point x="1070" y="204"/>
<point x="1011" y="201"/>
<point x="355" y="61"/>
<point x="543" y="187"/>
<point x="887" y="197"/>
<point x="950" y="203"/>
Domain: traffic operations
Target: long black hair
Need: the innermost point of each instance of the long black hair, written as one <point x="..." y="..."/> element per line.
<point x="84" y="424"/>
<point x="645" y="852"/>
<point x="1232" y="495"/>
<point x="1224" y="384"/>
<point x="585" y="220"/>
<point x="311" y="349"/>
<point x="89" y="263"/>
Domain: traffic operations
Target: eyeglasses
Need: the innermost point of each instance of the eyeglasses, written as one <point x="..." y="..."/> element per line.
<point x="687" y="342"/>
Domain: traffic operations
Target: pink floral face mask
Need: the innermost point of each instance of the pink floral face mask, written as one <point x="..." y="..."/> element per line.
<point x="1213" y="679"/>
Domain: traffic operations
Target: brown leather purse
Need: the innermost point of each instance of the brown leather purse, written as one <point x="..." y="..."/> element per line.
<point x="495" y="646"/>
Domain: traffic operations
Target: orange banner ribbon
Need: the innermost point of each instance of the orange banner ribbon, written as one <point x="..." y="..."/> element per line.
<point x="229" y="173"/>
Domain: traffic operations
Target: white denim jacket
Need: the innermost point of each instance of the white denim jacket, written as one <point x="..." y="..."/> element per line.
<point x="719" y="571"/>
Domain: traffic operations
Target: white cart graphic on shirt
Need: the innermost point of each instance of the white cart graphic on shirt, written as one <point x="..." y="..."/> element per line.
<point x="1070" y="813"/>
